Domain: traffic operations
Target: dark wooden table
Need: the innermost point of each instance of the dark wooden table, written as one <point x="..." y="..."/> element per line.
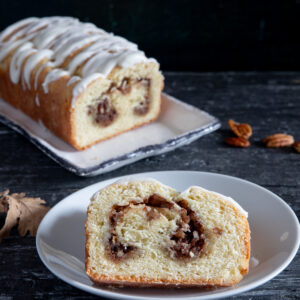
<point x="270" y="102"/>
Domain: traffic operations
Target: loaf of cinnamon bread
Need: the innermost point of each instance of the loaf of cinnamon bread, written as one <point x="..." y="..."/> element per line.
<point x="144" y="233"/>
<point x="82" y="83"/>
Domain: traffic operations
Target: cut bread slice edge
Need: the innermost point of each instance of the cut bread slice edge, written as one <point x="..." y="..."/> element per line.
<point x="87" y="132"/>
<point x="195" y="197"/>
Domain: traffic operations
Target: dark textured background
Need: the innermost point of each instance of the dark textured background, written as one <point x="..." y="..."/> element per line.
<point x="183" y="35"/>
<point x="268" y="101"/>
<point x="189" y="35"/>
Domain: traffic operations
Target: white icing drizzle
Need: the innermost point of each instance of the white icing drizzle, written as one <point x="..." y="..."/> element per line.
<point x="32" y="61"/>
<point x="103" y="43"/>
<point x="37" y="74"/>
<point x="73" y="80"/>
<point x="9" y="30"/>
<point x="52" y="76"/>
<point x="56" y="38"/>
<point x="17" y="61"/>
<point x="37" y="101"/>
<point x="9" y="47"/>
<point x="82" y="85"/>
<point x="47" y="37"/>
<point x="73" y="44"/>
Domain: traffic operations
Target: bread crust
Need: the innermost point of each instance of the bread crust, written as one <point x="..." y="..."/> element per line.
<point x="56" y="108"/>
<point x="122" y="281"/>
<point x="132" y="281"/>
<point x="247" y="243"/>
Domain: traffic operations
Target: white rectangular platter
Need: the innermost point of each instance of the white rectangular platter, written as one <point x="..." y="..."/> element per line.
<point x="178" y="124"/>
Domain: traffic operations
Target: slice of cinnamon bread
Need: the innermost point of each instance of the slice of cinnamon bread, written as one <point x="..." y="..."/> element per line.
<point x="143" y="233"/>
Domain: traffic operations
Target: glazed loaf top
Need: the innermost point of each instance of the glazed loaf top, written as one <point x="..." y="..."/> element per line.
<point x="69" y="47"/>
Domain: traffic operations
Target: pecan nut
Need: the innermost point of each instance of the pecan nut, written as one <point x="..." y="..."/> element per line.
<point x="278" y="140"/>
<point x="296" y="146"/>
<point x="237" y="142"/>
<point x="241" y="130"/>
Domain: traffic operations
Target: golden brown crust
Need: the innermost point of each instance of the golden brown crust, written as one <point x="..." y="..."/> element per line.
<point x="154" y="283"/>
<point x="247" y="243"/>
<point x="55" y="109"/>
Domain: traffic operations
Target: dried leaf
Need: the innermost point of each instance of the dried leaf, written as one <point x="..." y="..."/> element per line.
<point x="12" y="217"/>
<point x="3" y="201"/>
<point x="23" y="211"/>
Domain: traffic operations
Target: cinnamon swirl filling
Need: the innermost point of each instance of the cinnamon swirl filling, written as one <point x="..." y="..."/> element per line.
<point x="186" y="242"/>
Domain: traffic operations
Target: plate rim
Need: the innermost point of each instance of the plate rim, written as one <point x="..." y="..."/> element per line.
<point x="114" y="295"/>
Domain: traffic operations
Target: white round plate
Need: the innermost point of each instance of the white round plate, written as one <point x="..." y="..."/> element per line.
<point x="275" y="236"/>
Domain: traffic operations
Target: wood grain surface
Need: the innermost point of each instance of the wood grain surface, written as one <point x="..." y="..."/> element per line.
<point x="270" y="102"/>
